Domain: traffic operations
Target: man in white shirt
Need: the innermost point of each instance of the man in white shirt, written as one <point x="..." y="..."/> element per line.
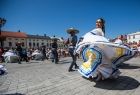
<point x="119" y="40"/>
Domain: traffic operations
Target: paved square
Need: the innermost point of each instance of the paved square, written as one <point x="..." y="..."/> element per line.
<point x="46" y="78"/>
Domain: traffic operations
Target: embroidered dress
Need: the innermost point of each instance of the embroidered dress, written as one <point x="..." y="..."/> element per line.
<point x="101" y="56"/>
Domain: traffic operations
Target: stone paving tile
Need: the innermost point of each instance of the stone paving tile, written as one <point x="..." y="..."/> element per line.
<point x="136" y="92"/>
<point x="46" y="78"/>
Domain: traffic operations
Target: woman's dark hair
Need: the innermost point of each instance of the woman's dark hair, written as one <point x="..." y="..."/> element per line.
<point x="103" y="21"/>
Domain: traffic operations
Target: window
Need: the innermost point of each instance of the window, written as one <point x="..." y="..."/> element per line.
<point x="30" y="44"/>
<point x="16" y="43"/>
<point x="129" y="37"/>
<point x="10" y="44"/>
<point x="22" y="43"/>
<point x="133" y="36"/>
<point x="37" y="44"/>
<point x="47" y="44"/>
<point x="33" y="44"/>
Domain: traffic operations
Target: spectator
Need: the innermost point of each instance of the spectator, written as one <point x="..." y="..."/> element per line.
<point x="119" y="40"/>
<point x="1" y="52"/>
<point x="19" y="51"/>
<point x="54" y="51"/>
<point x="43" y="51"/>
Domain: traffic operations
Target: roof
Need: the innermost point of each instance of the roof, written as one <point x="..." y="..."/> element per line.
<point x="58" y="38"/>
<point x="38" y="36"/>
<point x="13" y="34"/>
<point x="136" y="33"/>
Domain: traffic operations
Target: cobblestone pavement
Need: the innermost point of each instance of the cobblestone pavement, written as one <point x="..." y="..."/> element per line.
<point x="46" y="78"/>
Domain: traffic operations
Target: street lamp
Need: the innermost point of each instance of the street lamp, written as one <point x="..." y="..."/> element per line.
<point x="2" y="22"/>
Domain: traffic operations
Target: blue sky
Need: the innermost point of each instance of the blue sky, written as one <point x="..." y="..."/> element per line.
<point x="53" y="17"/>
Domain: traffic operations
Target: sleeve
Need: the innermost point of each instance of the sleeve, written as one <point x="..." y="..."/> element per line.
<point x="98" y="31"/>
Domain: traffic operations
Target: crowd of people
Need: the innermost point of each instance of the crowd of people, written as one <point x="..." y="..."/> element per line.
<point x="135" y="46"/>
<point x="20" y="54"/>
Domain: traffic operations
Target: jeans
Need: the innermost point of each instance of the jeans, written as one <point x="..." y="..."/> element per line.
<point x="71" y="52"/>
<point x="55" y="55"/>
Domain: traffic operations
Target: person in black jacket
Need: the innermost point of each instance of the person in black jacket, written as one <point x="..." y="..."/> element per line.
<point x="54" y="51"/>
<point x="43" y="51"/>
<point x="19" y="52"/>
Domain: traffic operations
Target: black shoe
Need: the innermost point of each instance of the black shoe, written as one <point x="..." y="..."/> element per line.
<point x="77" y="67"/>
<point x="27" y="61"/>
<point x="90" y="78"/>
<point x="19" y="62"/>
<point x="70" y="70"/>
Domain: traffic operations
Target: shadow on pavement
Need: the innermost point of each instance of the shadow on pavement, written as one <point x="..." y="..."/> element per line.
<point x="128" y="66"/>
<point x="64" y="61"/>
<point x="121" y="83"/>
<point x="13" y="94"/>
<point x="34" y="62"/>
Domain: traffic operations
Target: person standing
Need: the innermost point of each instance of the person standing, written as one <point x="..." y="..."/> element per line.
<point x="71" y="42"/>
<point x="119" y="40"/>
<point x="54" y="51"/>
<point x="19" y="52"/>
<point x="43" y="52"/>
<point x="1" y="53"/>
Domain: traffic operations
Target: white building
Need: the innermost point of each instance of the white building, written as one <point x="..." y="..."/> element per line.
<point x="133" y="37"/>
<point x="36" y="41"/>
<point x="10" y="39"/>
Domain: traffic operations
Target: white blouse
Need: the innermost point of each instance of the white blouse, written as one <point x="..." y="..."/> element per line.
<point x="97" y="31"/>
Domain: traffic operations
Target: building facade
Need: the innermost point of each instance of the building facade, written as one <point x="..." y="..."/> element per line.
<point x="133" y="37"/>
<point x="12" y="38"/>
<point x="36" y="41"/>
